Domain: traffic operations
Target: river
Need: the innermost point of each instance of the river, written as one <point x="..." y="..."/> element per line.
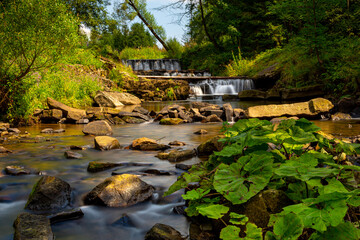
<point x="101" y="222"/>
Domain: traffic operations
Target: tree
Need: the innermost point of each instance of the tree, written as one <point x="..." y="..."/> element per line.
<point x="139" y="9"/>
<point x="34" y="34"/>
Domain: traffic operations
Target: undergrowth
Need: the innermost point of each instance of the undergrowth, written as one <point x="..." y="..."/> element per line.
<point x="293" y="157"/>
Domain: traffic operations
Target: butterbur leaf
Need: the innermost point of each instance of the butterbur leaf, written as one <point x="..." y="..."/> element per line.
<point x="230" y="232"/>
<point x="195" y="194"/>
<point x="230" y="151"/>
<point x="253" y="232"/>
<point x="322" y="212"/>
<point x="247" y="124"/>
<point x="214" y="211"/>
<point x="288" y="226"/>
<point x="306" y="125"/>
<point x="344" y="230"/>
<point x="179" y="184"/>
<point x="242" y="180"/>
<point x="333" y="185"/>
<point x="238" y="219"/>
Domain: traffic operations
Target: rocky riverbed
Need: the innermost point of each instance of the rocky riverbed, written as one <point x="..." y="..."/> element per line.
<point x="90" y="163"/>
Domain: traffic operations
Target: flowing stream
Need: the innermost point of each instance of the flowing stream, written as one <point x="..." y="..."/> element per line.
<point x="218" y="87"/>
<point x="102" y="222"/>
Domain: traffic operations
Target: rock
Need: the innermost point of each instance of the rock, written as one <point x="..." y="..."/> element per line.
<point x="201" y="232"/>
<point x="4" y="125"/>
<point x="120" y="191"/>
<point x="4" y="150"/>
<point x="115" y="99"/>
<point x="39" y="139"/>
<point x="183" y="166"/>
<point x="72" y="155"/>
<point x="134" y="114"/>
<point x="83" y="121"/>
<point x="98" y="128"/>
<point x="147" y="144"/>
<point x="59" y="130"/>
<point x="228" y="112"/>
<point x="14" y="130"/>
<point x="212" y="118"/>
<point x="267" y="77"/>
<point x="176" y="155"/>
<point x="200" y="105"/>
<point x="48" y="194"/>
<point x="141" y="110"/>
<point x="159" y="172"/>
<point x="124" y="221"/>
<point x="118" y="121"/>
<point x="163" y="232"/>
<point x="96" y="166"/>
<point x="19" y="170"/>
<point x="229" y="97"/>
<point x="311" y="108"/>
<point x="173" y="114"/>
<point x="252" y="94"/>
<point x="304" y="92"/>
<point x="73" y="147"/>
<point x="201" y="132"/>
<point x="133" y="120"/>
<point x="171" y="121"/>
<point x="340" y="116"/>
<point x="47" y="130"/>
<point x="259" y="207"/>
<point x="70" y="113"/>
<point x="4" y="133"/>
<point x="239" y="114"/>
<point x="106" y="143"/>
<point x="208" y="147"/>
<point x="30" y="226"/>
<point x="346" y="105"/>
<point x="66" y="215"/>
<point x="177" y="143"/>
<point x="51" y="115"/>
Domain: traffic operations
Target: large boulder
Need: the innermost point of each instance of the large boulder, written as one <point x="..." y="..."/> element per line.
<point x="106" y="143"/>
<point x="228" y="112"/>
<point x="31" y="226"/>
<point x="134" y="114"/>
<point x="163" y="232"/>
<point x="120" y="191"/>
<point x="98" y="128"/>
<point x="115" y="99"/>
<point x="51" y="115"/>
<point x="69" y="113"/>
<point x="311" y="108"/>
<point x="49" y="194"/>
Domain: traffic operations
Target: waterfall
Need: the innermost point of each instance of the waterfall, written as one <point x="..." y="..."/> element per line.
<point x="221" y="86"/>
<point x="154" y="64"/>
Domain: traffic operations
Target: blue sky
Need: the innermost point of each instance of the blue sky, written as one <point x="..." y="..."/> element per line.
<point x="167" y="18"/>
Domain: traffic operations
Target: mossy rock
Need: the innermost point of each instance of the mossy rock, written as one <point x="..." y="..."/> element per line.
<point x="171" y="121"/>
<point x="95" y="166"/>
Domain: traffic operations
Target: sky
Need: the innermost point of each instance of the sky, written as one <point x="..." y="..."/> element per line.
<point x="167" y="18"/>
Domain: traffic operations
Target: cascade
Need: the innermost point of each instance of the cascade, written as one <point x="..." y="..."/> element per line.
<point x="154" y="64"/>
<point x="221" y="86"/>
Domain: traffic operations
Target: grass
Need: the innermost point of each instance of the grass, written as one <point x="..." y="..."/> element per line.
<point x="142" y="53"/>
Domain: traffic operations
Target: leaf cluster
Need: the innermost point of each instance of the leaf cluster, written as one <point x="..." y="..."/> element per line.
<point x="294" y="157"/>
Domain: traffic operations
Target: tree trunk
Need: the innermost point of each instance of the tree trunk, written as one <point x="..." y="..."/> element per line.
<point x="131" y="3"/>
<point x="315" y="29"/>
<point x="205" y="28"/>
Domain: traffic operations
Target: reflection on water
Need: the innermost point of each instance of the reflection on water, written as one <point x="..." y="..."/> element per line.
<point x="102" y="222"/>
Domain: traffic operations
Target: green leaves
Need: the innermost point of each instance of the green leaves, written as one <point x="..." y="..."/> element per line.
<point x="215" y="211"/>
<point x="257" y="157"/>
<point x="242" y="180"/>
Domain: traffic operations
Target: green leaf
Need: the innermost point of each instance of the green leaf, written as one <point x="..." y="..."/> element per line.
<point x="242" y="180"/>
<point x="195" y="194"/>
<point x="287" y="227"/>
<point x="307" y="126"/>
<point x="344" y="230"/>
<point x="215" y="211"/>
<point x="322" y="212"/>
<point x="238" y="219"/>
<point x="230" y="232"/>
<point x="253" y="232"/>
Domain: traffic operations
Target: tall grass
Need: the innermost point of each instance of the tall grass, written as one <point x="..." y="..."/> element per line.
<point x="239" y="66"/>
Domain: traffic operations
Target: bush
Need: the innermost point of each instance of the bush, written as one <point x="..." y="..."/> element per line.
<point x="257" y="156"/>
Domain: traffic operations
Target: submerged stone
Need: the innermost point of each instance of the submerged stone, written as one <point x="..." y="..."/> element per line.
<point x="106" y="143"/>
<point x="163" y="232"/>
<point x="96" y="166"/>
<point x="30" y="226"/>
<point x="19" y="170"/>
<point x="72" y="155"/>
<point x="66" y="215"/>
